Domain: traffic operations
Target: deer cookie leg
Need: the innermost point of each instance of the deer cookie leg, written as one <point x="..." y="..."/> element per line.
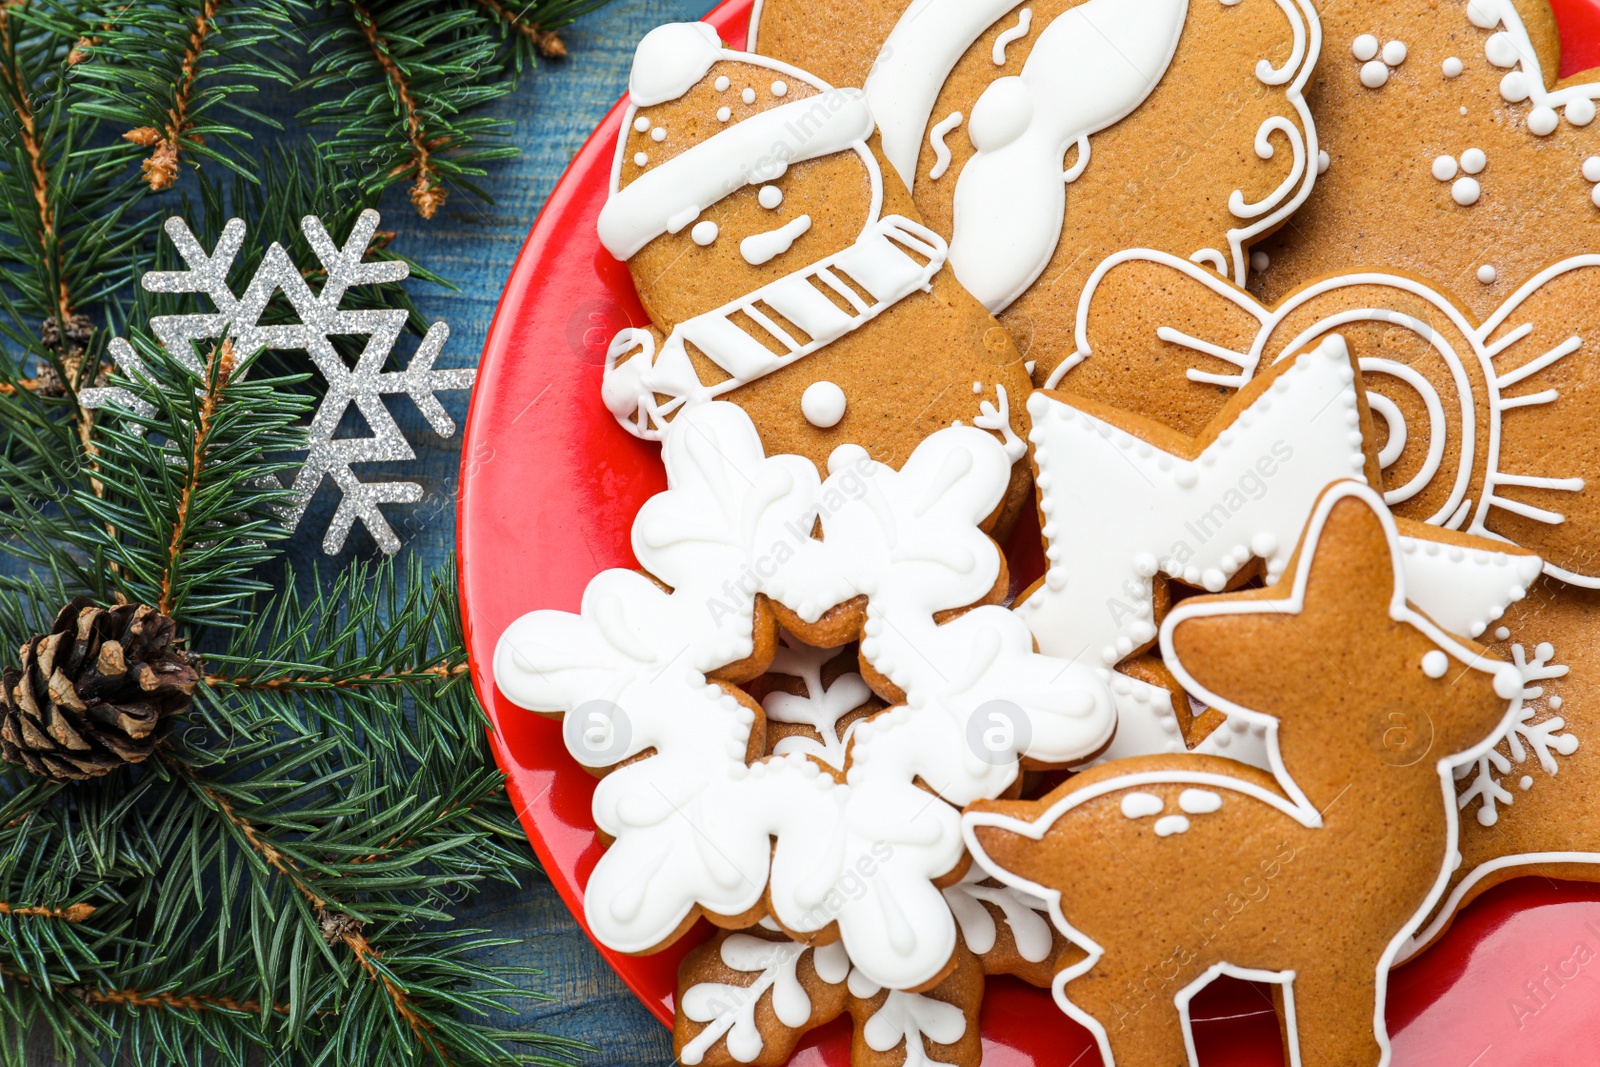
<point x="1141" y="1024"/>
<point x="1333" y="1015"/>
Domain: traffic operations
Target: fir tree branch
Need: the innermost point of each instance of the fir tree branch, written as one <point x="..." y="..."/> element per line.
<point x="426" y="193"/>
<point x="546" y="41"/>
<point x="219" y="369"/>
<point x="161" y="169"/>
<point x="74" y="913"/>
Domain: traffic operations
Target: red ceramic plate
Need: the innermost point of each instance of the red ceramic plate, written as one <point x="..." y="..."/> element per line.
<point x="549" y="488"/>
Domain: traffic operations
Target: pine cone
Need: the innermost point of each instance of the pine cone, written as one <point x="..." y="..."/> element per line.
<point x="93" y="692"/>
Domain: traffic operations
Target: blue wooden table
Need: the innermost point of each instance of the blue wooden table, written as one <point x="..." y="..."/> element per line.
<point x="474" y="244"/>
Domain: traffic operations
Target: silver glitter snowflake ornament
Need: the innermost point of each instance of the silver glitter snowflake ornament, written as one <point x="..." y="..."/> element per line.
<point x="320" y="317"/>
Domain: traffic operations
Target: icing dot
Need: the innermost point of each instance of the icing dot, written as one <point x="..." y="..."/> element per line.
<point x="1374" y="74"/>
<point x="780" y="88"/>
<point x="1581" y="112"/>
<point x="722" y="84"/>
<point x="641" y="124"/>
<point x="1141" y="805"/>
<point x="1171" y="824"/>
<point x="1453" y="67"/>
<point x="1525" y="783"/>
<point x="640" y="159"/>
<point x="1501" y="50"/>
<point x="823" y="406"/>
<point x="704" y="233"/>
<point x="1444" y="168"/>
<point x="1322" y="162"/>
<point x="1364" y="47"/>
<point x="658" y="134"/>
<point x="1466" y="191"/>
<point x="1543" y="121"/>
<point x="1463" y="110"/>
<point x="724" y="114"/>
<point x="1260" y="261"/>
<point x="1199" y="801"/>
<point x="1595" y="196"/>
<point x="748" y="96"/>
<point x="1483" y="14"/>
<point x="1473" y="160"/>
<point x="770" y="197"/>
<point x="1394" y="53"/>
<point x="1487" y="274"/>
<point x="1435" y="664"/>
<point x="1501" y="634"/>
<point x="1514" y="87"/>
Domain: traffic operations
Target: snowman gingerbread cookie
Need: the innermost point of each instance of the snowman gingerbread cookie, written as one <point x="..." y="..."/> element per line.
<point x="782" y="273"/>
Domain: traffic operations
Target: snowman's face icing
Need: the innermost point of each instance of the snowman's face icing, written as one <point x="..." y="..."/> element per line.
<point x="762" y="231"/>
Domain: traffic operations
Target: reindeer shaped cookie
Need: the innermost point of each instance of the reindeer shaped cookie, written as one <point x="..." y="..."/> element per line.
<point x="1313" y="877"/>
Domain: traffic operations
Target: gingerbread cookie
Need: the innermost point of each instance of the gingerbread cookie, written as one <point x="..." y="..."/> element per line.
<point x="1042" y="137"/>
<point x="701" y="822"/>
<point x="1526" y="803"/>
<point x="1312" y="878"/>
<point x="1456" y="153"/>
<point x="1208" y="511"/>
<point x="783" y="274"/>
<point x="748" y="999"/>
<point x="1476" y="419"/>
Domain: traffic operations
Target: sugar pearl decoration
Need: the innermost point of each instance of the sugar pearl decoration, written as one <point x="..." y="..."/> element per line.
<point x="640" y="159"/>
<point x="1487" y="274"/>
<point x="1394" y="53"/>
<point x="1374" y="75"/>
<point x="641" y="124"/>
<point x="1453" y="67"/>
<point x="658" y="134"/>
<point x="770" y="197"/>
<point x="823" y="405"/>
<point x="780" y="88"/>
<point x="1444" y="168"/>
<point x="1473" y="160"/>
<point x="748" y="96"/>
<point x="1364" y="47"/>
<point x="722" y="84"/>
<point x="724" y="114"/>
<point x="704" y="233"/>
<point x="1466" y="191"/>
<point x="1543" y="121"/>
<point x="1435" y="664"/>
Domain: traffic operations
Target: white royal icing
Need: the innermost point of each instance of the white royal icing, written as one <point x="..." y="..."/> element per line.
<point x="911" y="68"/>
<point x="670" y="60"/>
<point x="941" y="151"/>
<point x="823" y="404"/>
<point x="1090" y="68"/>
<point x="1015" y="33"/>
<point x="1022" y="913"/>
<point x="1141" y="805"/>
<point x="760" y="248"/>
<point x="693" y="825"/>
<point x="754" y="151"/>
<point x="1510" y="47"/>
<point x="1484" y="348"/>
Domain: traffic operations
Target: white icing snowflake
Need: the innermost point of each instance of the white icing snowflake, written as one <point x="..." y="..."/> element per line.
<point x="907" y="1019"/>
<point x="1522" y="738"/>
<point x="693" y="824"/>
<point x="321" y="318"/>
<point x="820" y="707"/>
<point x="731" y="1009"/>
<point x="1023" y="914"/>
